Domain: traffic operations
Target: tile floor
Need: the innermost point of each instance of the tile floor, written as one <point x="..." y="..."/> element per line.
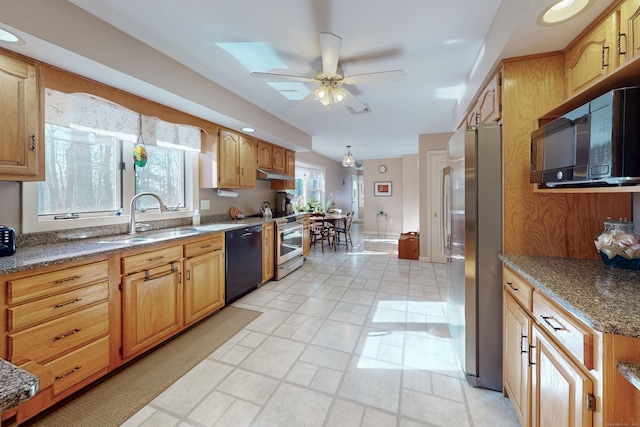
<point x="352" y="338"/>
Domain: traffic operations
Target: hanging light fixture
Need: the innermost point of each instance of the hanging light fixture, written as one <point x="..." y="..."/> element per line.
<point x="329" y="93"/>
<point x="348" y="161"/>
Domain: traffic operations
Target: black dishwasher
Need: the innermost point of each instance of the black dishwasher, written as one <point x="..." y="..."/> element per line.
<point x="243" y="261"/>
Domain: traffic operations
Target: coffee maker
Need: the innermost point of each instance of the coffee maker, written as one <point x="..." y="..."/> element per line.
<point x="283" y="203"/>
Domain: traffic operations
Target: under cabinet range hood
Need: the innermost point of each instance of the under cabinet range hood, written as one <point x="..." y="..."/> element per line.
<point x="272" y="175"/>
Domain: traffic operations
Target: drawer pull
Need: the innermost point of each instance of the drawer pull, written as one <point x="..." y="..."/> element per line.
<point x="547" y="321"/>
<point x="521" y="338"/>
<point x="68" y="279"/>
<point x="511" y="286"/>
<point x="158" y="258"/>
<point x="68" y="334"/>
<point x="67" y="303"/>
<point x="206" y="246"/>
<point x="77" y="368"/>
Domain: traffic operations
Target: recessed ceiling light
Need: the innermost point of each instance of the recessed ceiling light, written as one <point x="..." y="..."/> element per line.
<point x="248" y="130"/>
<point x="562" y="10"/>
<point x="9" y="37"/>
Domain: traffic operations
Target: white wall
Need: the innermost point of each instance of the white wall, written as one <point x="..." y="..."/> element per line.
<point x="391" y="205"/>
<point x="411" y="184"/>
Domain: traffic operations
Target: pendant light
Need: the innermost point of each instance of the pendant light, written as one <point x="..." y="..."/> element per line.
<point x="348" y="161"/>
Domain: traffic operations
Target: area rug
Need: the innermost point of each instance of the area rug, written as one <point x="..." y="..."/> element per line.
<point x="120" y="396"/>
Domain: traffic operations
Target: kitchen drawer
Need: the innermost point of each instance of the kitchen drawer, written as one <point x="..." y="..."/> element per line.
<point x="46" y="341"/>
<point x="569" y="332"/>
<point x="147" y="260"/>
<point x="214" y="243"/>
<point x="79" y="365"/>
<point x="42" y="285"/>
<point x="519" y="288"/>
<point x="45" y="309"/>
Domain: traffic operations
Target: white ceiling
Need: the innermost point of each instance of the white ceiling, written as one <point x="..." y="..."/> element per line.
<point x="443" y="48"/>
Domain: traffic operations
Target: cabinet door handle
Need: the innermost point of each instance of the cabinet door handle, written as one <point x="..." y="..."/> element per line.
<point x="521" y="338"/>
<point x="67" y="303"/>
<point x="147" y="275"/>
<point x="605" y="64"/>
<point x="620" y="51"/>
<point x="547" y="320"/>
<point x="33" y="143"/>
<point x="68" y="334"/>
<point x="511" y="286"/>
<point x="66" y="279"/>
<point x="188" y="275"/>
<point x="531" y="362"/>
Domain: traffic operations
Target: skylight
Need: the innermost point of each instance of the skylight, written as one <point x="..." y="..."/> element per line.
<point x="254" y="56"/>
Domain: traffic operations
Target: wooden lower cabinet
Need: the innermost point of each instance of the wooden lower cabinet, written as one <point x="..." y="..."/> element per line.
<point x="57" y="327"/>
<point x="152" y="307"/>
<point x="204" y="283"/>
<point x="549" y="372"/>
<point x="306" y="236"/>
<point x="562" y="393"/>
<point x="516" y="366"/>
<point x="268" y="251"/>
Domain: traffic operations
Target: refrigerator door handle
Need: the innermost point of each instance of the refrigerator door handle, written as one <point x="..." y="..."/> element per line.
<point x="445" y="217"/>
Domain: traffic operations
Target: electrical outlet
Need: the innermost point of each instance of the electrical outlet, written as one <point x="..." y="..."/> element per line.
<point x="204" y="205"/>
<point x="390" y="220"/>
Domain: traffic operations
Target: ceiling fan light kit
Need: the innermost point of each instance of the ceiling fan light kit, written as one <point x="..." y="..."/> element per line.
<point x="331" y="78"/>
<point x="348" y="161"/>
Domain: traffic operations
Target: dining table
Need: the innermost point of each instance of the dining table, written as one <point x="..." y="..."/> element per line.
<point x="330" y="218"/>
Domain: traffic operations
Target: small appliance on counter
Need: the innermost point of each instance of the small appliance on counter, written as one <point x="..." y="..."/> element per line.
<point x="7" y="241"/>
<point x="283" y="203"/>
<point x="265" y="210"/>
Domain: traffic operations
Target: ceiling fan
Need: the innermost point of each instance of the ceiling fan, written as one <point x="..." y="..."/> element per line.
<point x="331" y="78"/>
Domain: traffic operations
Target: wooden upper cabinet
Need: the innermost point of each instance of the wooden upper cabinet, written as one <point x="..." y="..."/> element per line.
<point x="265" y="155"/>
<point x="592" y="56"/>
<point x="473" y="116"/>
<point x="279" y="159"/>
<point x="21" y="127"/>
<point x="247" y="161"/>
<point x="489" y="106"/>
<point x="289" y="169"/>
<point x="629" y="34"/>
<point x="236" y="161"/>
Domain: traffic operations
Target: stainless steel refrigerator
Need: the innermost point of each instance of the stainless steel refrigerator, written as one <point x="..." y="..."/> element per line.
<point x="472" y="240"/>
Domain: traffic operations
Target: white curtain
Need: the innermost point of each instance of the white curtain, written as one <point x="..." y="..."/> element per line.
<point x="90" y="112"/>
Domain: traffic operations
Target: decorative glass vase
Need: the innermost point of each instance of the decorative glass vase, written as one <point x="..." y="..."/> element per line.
<point x="618" y="245"/>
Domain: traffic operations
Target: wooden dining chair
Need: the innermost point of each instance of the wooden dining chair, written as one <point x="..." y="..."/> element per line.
<point x="343" y="227"/>
<point x="320" y="231"/>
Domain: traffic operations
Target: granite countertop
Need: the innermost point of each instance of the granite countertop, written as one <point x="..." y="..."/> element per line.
<point x="631" y="371"/>
<point x="605" y="298"/>
<point x="63" y="250"/>
<point x="16" y="385"/>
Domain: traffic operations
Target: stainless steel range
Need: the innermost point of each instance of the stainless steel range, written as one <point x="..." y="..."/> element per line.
<point x="289" y="253"/>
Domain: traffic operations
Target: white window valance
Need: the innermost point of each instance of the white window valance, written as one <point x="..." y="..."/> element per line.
<point x="92" y="113"/>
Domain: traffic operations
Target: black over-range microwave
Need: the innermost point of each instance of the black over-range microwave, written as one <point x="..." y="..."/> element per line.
<point x="595" y="144"/>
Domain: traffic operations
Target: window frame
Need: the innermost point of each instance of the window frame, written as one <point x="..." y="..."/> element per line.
<point x="32" y="222"/>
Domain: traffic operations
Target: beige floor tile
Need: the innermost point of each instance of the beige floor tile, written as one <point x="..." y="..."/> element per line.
<point x="249" y="386"/>
<point x="295" y="406"/>
<point x="274" y="357"/>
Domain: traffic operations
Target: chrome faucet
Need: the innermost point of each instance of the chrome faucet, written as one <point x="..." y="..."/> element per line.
<point x="132" y="215"/>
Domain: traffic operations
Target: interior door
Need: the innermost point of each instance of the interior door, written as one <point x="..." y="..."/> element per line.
<point x="437" y="162"/>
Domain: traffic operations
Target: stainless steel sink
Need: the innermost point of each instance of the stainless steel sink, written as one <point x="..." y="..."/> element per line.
<point x="164" y="235"/>
<point x="215" y="227"/>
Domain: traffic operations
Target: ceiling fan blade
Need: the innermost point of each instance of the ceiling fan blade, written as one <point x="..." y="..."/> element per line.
<point x="330" y="51"/>
<point x="382" y="76"/>
<point x="354" y="103"/>
<point x="280" y="77"/>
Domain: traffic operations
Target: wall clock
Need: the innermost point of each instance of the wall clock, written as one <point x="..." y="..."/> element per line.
<point x="382" y="168"/>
